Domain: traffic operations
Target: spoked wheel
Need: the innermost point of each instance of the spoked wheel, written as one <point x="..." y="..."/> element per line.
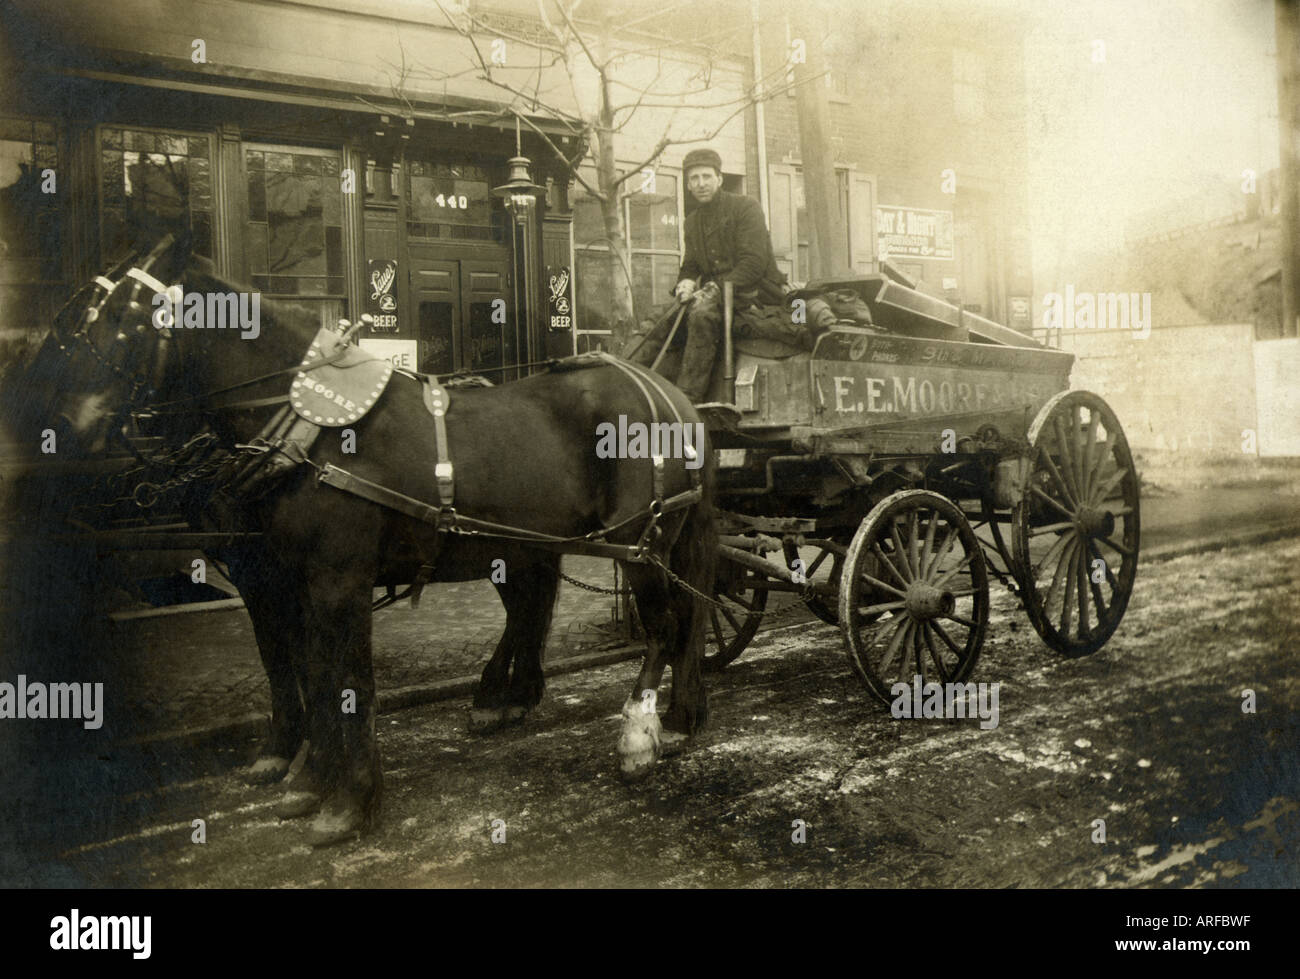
<point x="1074" y="534"/>
<point x="732" y="626"/>
<point x="915" y="595"/>
<point x="824" y="569"/>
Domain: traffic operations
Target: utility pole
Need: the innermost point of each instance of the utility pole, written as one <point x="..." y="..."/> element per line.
<point x="1288" y="121"/>
<point x="828" y="236"/>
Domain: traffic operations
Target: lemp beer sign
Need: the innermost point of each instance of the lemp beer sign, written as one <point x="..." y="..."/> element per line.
<point x="913" y="232"/>
<point x="559" y="302"/>
<point x="381" y="294"/>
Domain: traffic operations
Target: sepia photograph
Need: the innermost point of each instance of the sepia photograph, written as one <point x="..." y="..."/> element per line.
<point x="596" y="444"/>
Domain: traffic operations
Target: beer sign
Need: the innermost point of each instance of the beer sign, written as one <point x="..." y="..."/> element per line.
<point x="381" y="294"/>
<point x="560" y="297"/>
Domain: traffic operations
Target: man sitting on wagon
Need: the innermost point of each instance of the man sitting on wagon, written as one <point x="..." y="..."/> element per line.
<point x="726" y="241"/>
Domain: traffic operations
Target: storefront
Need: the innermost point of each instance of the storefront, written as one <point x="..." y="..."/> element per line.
<point x="314" y="199"/>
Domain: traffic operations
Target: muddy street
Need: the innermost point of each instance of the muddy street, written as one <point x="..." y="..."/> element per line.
<point x="1148" y="734"/>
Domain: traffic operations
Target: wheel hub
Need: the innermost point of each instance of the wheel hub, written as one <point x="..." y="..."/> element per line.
<point x="924" y="601"/>
<point x="1095" y="523"/>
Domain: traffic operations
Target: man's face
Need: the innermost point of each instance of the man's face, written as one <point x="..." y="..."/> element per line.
<point x="703" y="183"/>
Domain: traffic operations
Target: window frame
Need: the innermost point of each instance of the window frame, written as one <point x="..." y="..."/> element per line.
<point x="214" y="166"/>
<point x="600" y="246"/>
<point x="60" y="203"/>
<point x="338" y="153"/>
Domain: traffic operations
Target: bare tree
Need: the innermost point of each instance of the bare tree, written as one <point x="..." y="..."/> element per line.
<point x="601" y="56"/>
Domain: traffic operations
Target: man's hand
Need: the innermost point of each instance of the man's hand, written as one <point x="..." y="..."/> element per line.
<point x="709" y="292"/>
<point x="685" y="289"/>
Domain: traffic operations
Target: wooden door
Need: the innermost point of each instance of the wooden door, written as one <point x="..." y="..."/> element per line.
<point x="436" y="314"/>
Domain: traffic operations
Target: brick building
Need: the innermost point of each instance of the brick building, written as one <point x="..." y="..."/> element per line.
<point x="928" y="134"/>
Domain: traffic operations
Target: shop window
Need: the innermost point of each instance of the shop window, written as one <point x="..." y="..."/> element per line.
<point x="652" y="237"/>
<point x="31" y="243"/>
<point x="294" y="228"/>
<point x="153" y="183"/>
<point x="30" y="220"/>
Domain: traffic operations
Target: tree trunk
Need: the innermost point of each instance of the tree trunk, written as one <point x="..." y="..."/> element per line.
<point x="828" y="234"/>
<point x="621" y="314"/>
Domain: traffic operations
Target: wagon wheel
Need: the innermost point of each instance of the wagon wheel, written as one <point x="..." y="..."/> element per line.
<point x="825" y="568"/>
<point x="1076" y="524"/>
<point x="732" y="625"/>
<point x="915" y="598"/>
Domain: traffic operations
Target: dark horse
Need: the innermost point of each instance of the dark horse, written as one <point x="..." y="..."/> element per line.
<point x="524" y="455"/>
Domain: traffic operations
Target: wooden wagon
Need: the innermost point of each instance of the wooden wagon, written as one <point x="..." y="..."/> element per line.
<point x="886" y="474"/>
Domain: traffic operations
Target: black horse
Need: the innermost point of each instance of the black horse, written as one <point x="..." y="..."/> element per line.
<point x="524" y="456"/>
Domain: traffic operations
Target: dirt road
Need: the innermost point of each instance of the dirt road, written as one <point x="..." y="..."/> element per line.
<point x="1148" y="735"/>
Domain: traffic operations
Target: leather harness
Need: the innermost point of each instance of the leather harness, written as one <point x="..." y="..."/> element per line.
<point x="337" y="384"/>
<point x="285" y="443"/>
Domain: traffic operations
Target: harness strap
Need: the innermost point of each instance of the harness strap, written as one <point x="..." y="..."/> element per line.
<point x="437" y="401"/>
<point x="446" y="520"/>
<point x="140" y="275"/>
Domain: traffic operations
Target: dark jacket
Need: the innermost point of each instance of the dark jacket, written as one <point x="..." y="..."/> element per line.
<point x="727" y="240"/>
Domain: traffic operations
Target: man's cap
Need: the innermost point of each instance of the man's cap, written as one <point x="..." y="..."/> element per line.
<point x="702" y="158"/>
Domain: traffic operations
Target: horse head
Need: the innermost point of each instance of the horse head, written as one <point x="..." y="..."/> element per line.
<point x="113" y="336"/>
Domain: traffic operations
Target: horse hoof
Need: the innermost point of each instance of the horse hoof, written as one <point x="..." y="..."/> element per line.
<point x="267" y="769"/>
<point x="338" y="825"/>
<point x="297" y="803"/>
<point x="639" y="744"/>
<point x="486" y="720"/>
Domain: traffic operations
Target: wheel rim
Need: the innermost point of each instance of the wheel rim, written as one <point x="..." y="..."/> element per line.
<point x="1075" y="532"/>
<point x="731" y="627"/>
<point x="927" y="612"/>
<point x="825" y="568"/>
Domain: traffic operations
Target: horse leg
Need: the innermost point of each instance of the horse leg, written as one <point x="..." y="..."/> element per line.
<point x="639" y="743"/>
<point x="305" y="790"/>
<point x="487" y="712"/>
<point x="341" y="623"/>
<point x="505" y="696"/>
<point x="694" y="560"/>
<point x="537" y="589"/>
<point x="277" y="618"/>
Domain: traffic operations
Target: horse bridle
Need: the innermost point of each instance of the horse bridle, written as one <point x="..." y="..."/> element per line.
<point x="147" y="381"/>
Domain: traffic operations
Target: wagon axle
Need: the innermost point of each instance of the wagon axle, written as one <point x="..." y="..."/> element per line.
<point x="924" y="601"/>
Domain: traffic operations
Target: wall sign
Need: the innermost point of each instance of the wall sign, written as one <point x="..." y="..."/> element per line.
<point x="913" y="232"/>
<point x="560" y="299"/>
<point x="381" y="294"/>
<point x="399" y="353"/>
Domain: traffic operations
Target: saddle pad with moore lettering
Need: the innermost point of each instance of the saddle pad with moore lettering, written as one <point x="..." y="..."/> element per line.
<point x="339" y="393"/>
